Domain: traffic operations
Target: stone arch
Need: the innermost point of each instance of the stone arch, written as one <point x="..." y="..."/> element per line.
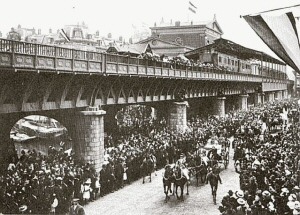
<point x="39" y="132"/>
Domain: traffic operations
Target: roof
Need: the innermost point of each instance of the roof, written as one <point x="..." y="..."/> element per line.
<point x="227" y="46"/>
<point x="132" y="48"/>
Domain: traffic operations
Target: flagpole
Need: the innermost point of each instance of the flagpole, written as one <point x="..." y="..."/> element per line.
<point x="271" y="10"/>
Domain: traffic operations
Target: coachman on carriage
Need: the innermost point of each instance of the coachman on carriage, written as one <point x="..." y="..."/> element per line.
<point x="218" y="151"/>
<point x="178" y="175"/>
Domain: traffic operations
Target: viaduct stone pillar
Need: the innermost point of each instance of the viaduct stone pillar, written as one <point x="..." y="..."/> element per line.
<point x="89" y="145"/>
<point x="285" y="94"/>
<point x="279" y="95"/>
<point x="220" y="106"/>
<point x="258" y="97"/>
<point x="177" y="119"/>
<point x="272" y="96"/>
<point x="243" y="102"/>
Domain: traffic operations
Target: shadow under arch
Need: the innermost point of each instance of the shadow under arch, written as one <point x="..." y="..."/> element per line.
<point x="124" y="119"/>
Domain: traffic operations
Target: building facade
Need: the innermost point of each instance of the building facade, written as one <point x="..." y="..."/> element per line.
<point x="191" y="34"/>
<point x="230" y="56"/>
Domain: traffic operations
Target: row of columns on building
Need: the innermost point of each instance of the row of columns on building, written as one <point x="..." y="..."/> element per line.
<point x="89" y="132"/>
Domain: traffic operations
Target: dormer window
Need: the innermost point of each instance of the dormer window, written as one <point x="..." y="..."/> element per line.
<point x="77" y="33"/>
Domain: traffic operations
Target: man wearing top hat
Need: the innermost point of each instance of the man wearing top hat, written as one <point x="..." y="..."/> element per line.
<point x="76" y="208"/>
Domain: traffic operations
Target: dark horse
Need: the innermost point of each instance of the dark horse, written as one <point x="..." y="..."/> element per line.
<point x="201" y="172"/>
<point x="181" y="178"/>
<point x="198" y="168"/>
<point x="147" y="168"/>
<point x="168" y="180"/>
<point x="213" y="178"/>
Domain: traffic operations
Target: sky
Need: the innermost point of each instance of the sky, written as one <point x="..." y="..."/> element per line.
<point x="118" y="16"/>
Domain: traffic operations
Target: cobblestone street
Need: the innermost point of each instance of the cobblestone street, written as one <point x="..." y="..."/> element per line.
<point x="148" y="198"/>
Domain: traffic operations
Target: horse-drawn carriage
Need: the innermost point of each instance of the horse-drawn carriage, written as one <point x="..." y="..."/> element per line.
<point x="217" y="151"/>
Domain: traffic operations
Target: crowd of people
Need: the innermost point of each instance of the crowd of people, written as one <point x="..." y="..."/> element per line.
<point x="267" y="160"/>
<point x="36" y="183"/>
<point x="178" y="61"/>
<point x="40" y="184"/>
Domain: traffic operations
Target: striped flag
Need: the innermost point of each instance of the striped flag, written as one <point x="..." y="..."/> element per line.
<point x="64" y="35"/>
<point x="192" y="7"/>
<point x="191" y="4"/>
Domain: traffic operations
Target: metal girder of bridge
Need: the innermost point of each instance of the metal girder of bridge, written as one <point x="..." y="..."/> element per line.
<point x="29" y="91"/>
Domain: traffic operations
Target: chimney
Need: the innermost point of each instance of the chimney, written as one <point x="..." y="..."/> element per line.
<point x="39" y="31"/>
<point x="130" y="40"/>
<point x="109" y="35"/>
<point x="50" y="31"/>
<point x="177" y="23"/>
<point x="120" y="38"/>
<point x="0" y="34"/>
<point x="97" y="33"/>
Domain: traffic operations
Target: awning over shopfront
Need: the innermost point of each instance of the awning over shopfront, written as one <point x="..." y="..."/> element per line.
<point x="280" y="34"/>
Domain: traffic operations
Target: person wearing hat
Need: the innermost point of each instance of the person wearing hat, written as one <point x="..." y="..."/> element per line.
<point x="181" y="161"/>
<point x="86" y="191"/>
<point x="296" y="210"/>
<point x="76" y="208"/>
<point x="296" y="190"/>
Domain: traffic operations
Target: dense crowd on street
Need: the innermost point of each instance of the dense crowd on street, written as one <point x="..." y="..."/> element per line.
<point x="268" y="163"/>
<point x="36" y="183"/>
<point x="39" y="184"/>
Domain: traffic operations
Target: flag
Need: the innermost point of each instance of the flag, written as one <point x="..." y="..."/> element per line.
<point x="279" y="33"/>
<point x="192" y="7"/>
<point x="64" y="35"/>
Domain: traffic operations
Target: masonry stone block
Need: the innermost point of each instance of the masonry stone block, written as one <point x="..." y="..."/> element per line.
<point x="243" y="102"/>
<point x="220" y="106"/>
<point x="90" y="135"/>
<point x="177" y="116"/>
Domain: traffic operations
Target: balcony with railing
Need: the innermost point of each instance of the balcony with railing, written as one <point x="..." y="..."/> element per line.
<point x="37" y="57"/>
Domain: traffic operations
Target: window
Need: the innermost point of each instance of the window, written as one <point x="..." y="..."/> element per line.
<point x="77" y="33"/>
<point x="220" y="59"/>
<point x="50" y="40"/>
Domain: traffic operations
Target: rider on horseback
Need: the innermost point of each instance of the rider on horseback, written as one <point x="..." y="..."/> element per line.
<point x="181" y="162"/>
<point x="213" y="178"/>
